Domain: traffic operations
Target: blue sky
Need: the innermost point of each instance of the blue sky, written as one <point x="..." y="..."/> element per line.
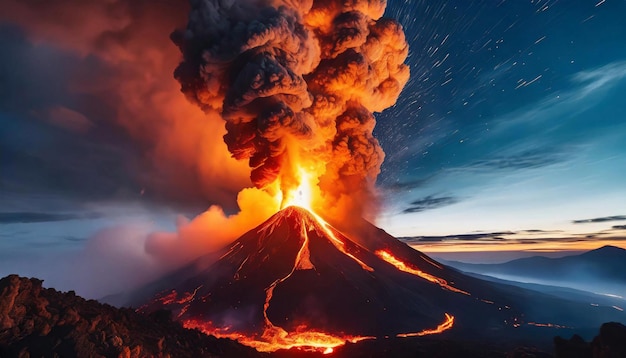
<point x="513" y="118"/>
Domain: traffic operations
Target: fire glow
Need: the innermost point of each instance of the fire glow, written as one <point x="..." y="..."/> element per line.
<point x="274" y="338"/>
<point x="304" y="226"/>
<point x="446" y="325"/>
<point x="302" y="194"/>
<point x="400" y="265"/>
<point x="297" y="84"/>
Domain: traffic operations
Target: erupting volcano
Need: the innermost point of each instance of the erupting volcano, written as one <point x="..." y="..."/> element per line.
<point x="295" y="281"/>
<point x="296" y="83"/>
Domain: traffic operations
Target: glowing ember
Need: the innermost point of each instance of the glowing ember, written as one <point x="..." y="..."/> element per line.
<point x="446" y="325"/>
<point x="387" y="256"/>
<point x="548" y="325"/>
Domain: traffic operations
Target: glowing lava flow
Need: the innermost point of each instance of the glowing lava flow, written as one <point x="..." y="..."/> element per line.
<point x="277" y="338"/>
<point x="387" y="256"/>
<point x="273" y="337"/>
<point x="302" y="197"/>
<point x="446" y="325"/>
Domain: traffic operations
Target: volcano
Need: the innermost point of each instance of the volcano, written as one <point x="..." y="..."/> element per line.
<point x="296" y="281"/>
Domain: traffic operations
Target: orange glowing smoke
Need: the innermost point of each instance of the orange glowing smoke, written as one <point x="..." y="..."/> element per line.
<point x="446" y="325"/>
<point x="296" y="83"/>
<point x="400" y="265"/>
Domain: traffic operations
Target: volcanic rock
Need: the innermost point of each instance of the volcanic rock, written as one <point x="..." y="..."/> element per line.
<point x="38" y="322"/>
<point x="297" y="273"/>
<point x="610" y="343"/>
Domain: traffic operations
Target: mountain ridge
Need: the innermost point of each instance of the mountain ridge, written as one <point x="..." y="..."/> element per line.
<point x="604" y="266"/>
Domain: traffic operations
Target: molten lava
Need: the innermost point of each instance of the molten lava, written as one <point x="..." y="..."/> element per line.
<point x="446" y="325"/>
<point x="297" y="282"/>
<point x="274" y="338"/>
<point x="387" y="256"/>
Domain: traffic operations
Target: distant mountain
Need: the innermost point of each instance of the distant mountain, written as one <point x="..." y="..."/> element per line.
<point x="39" y="322"/>
<point x="600" y="268"/>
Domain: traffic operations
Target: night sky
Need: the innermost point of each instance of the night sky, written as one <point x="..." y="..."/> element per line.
<point x="513" y="118"/>
<point x="511" y="128"/>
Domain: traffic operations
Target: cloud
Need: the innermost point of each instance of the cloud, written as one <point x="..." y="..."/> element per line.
<point x="104" y="71"/>
<point x="492" y="236"/>
<point x="601" y="219"/>
<point x="37" y="217"/>
<point x="67" y="118"/>
<point x="430" y="202"/>
<point x="517" y="240"/>
<point x="533" y="158"/>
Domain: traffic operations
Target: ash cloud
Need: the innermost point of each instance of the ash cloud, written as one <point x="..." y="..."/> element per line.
<point x="270" y="82"/>
<point x="100" y="73"/>
<point x="103" y="71"/>
<point x="296" y="82"/>
<point x="37" y="217"/>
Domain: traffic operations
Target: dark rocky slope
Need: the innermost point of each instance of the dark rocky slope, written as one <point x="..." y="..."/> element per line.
<point x="39" y="322"/>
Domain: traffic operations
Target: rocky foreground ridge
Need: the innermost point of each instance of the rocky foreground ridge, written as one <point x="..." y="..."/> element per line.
<point x="40" y="322"/>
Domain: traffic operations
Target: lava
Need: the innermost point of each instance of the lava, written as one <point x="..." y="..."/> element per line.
<point x="339" y="244"/>
<point x="446" y="325"/>
<point x="400" y="265"/>
<point x="296" y="282"/>
<point x="275" y="338"/>
<point x="303" y="197"/>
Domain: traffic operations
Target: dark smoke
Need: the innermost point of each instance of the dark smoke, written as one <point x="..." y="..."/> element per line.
<point x="296" y="80"/>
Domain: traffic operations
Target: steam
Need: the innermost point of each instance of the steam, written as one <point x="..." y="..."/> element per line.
<point x="209" y="231"/>
<point x="297" y="82"/>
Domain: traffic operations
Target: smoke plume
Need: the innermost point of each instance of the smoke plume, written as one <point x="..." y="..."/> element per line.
<point x="297" y="83"/>
<point x="121" y="78"/>
<point x="284" y="85"/>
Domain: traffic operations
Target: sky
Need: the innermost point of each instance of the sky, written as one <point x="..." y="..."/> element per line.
<point x="510" y="134"/>
<point x="513" y="120"/>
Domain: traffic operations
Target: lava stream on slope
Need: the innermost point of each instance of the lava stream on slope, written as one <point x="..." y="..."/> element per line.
<point x="297" y="282"/>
